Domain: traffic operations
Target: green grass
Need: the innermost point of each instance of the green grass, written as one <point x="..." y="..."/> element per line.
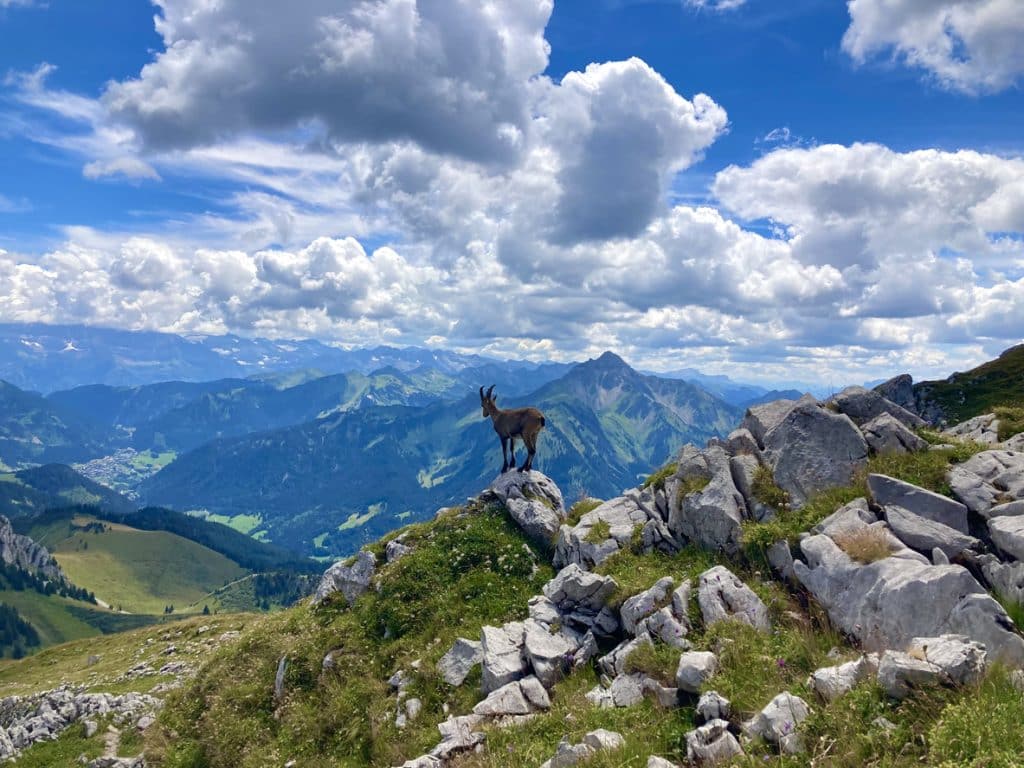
<point x="634" y="572"/>
<point x="153" y="461"/>
<point x="1011" y="420"/>
<point x="767" y="492"/>
<point x="64" y="751"/>
<point x="242" y="523"/>
<point x="68" y="663"/>
<point x="50" y="615"/>
<point x="141" y="571"/>
<point x="466" y="570"/>
<point x="658" y="478"/>
<point x="598" y="532"/>
<point x="580" y="508"/>
<point x="999" y="382"/>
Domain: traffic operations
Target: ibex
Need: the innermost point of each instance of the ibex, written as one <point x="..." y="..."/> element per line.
<point x="524" y="423"/>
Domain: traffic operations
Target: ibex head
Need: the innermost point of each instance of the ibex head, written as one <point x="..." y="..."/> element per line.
<point x="487" y="401"/>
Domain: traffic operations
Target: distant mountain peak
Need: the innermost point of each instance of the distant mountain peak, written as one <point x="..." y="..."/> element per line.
<point x="608" y="360"/>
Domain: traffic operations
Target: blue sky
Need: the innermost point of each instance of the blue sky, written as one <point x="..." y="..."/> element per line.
<point x="844" y="201"/>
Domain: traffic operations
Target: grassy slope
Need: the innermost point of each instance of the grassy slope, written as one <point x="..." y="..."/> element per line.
<point x="999" y="382"/>
<point x="141" y="571"/>
<point x="344" y="717"/>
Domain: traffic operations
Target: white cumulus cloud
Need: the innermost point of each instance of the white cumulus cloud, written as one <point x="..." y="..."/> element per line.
<point x="966" y="45"/>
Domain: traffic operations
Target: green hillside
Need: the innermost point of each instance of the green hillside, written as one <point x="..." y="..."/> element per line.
<point x="997" y="383"/>
<point x="138" y="571"/>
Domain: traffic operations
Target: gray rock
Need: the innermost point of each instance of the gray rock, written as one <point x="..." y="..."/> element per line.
<point x="503" y="655"/>
<point x="988" y="479"/>
<point x="712" y="706"/>
<point x="744" y="470"/>
<point x="91" y="726"/>
<point x="900" y="674"/>
<point x="848" y="518"/>
<point x="832" y="682"/>
<point x="395" y="550"/>
<point x="458" y="734"/>
<point x="423" y="761"/>
<point x="624" y="691"/>
<point x="580" y="598"/>
<point x="925" y="535"/>
<point x="711" y="744"/>
<point x="722" y="595"/>
<point x="1009" y="509"/>
<point x="665" y="626"/>
<point x="961" y="660"/>
<point x="534" y="502"/>
<point x="695" y="668"/>
<point x="520" y="697"/>
<point x="981" y="429"/>
<point x="1006" y="579"/>
<point x="666" y="698"/>
<point x="602" y="740"/>
<point x="621" y="515"/>
<point x="780" y="558"/>
<point x="593" y="742"/>
<point x="888" y="491"/>
<point x="884" y="434"/>
<point x="899" y="390"/>
<point x="350" y="578"/>
<point x="640" y="606"/>
<point x="813" y="449"/>
<point x="1015" y="443"/>
<point x="27" y="555"/>
<point x="413" y="707"/>
<point x="711" y="517"/>
<point x="549" y="653"/>
<point x="613" y="663"/>
<point x="282" y="665"/>
<point x="659" y="762"/>
<point x="455" y="666"/>
<point x="939" y="557"/>
<point x="1008" y="534"/>
<point x="741" y="442"/>
<point x="865" y="405"/>
<point x="778" y="722"/>
<point x="762" y="419"/>
<point x="885" y="604"/>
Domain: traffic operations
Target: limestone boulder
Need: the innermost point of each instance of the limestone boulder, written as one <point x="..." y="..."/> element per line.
<point x="779" y="721"/>
<point x="888" y="491"/>
<point x="349" y="577"/>
<point x="763" y="418"/>
<point x="722" y="595"/>
<point x="520" y="697"/>
<point x="832" y="682"/>
<point x="813" y="449"/>
<point x="550" y="653"/>
<point x="455" y="666"/>
<point x="865" y="405"/>
<point x="581" y="597"/>
<point x="982" y="429"/>
<point x="1008" y="535"/>
<point x="712" y="516"/>
<point x="713" y="706"/>
<point x="924" y="535"/>
<point x="503" y="655"/>
<point x="988" y="479"/>
<point x="712" y="744"/>
<point x="638" y="607"/>
<point x="533" y="501"/>
<point x="694" y="669"/>
<point x="583" y="543"/>
<point x="899" y="390"/>
<point x="886" y="434"/>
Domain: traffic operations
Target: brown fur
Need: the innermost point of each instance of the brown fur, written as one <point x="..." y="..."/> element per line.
<point x="524" y="423"/>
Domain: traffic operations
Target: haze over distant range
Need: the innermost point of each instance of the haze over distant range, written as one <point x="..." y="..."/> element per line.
<point x="808" y="191"/>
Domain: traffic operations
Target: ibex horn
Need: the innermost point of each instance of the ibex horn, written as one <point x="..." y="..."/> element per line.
<point x="481" y="393"/>
<point x="489" y="391"/>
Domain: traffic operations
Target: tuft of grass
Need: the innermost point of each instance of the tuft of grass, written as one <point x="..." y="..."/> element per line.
<point x="658" y="478"/>
<point x="927" y="469"/>
<point x="865" y="545"/>
<point x="767" y="492"/>
<point x="598" y="532"/>
<point x="656" y="660"/>
<point x="634" y="572"/>
<point x="580" y="508"/>
<point x="1011" y="420"/>
<point x="789" y="524"/>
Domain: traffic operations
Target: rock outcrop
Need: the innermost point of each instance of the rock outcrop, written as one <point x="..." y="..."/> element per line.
<point x="24" y="553"/>
<point x="350" y="578"/>
<point x="534" y="502"/>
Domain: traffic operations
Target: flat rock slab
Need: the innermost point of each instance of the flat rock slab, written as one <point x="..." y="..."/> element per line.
<point x="455" y="666"/>
<point x="888" y="491"/>
<point x="1008" y="534"/>
<point x="924" y="535"/>
<point x="885" y="434"/>
<point x="865" y="405"/>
